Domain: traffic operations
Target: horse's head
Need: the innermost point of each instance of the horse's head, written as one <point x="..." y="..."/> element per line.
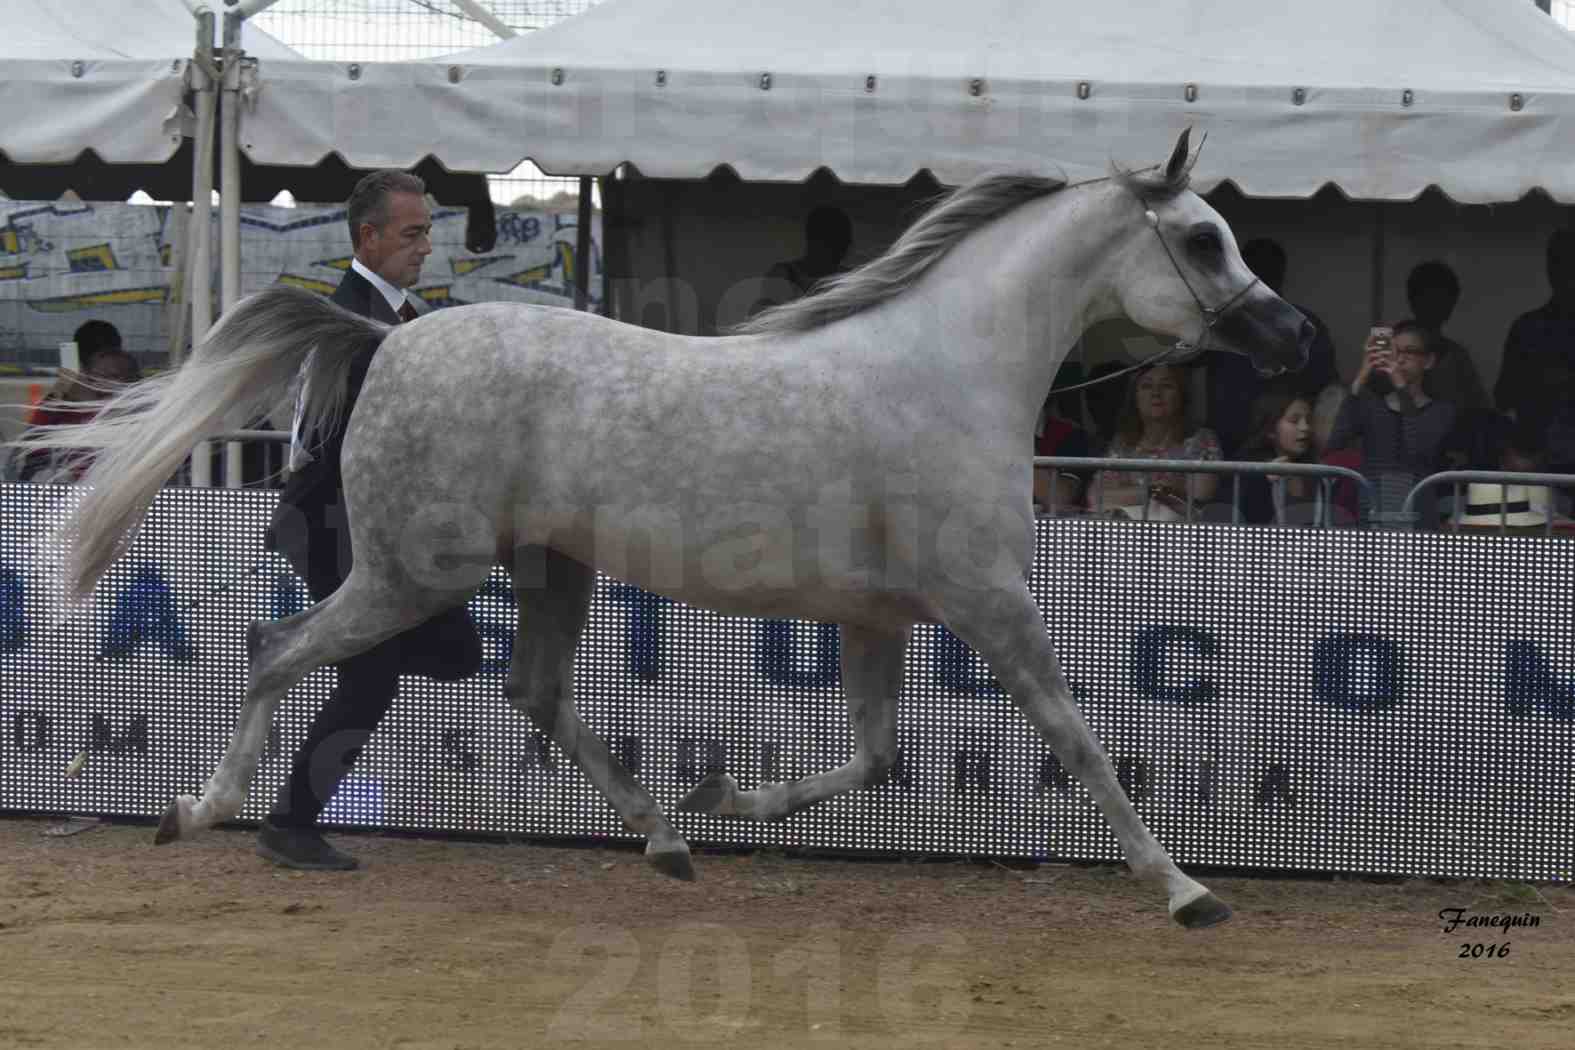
<point x="1182" y="275"/>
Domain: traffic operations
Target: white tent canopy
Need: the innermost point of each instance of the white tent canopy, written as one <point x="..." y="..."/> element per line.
<point x="105" y="75"/>
<point x="1380" y="99"/>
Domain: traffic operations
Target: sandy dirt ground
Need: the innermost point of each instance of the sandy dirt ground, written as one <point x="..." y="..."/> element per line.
<point x="106" y="941"/>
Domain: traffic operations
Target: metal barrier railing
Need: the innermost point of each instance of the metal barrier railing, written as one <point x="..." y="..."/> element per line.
<point x="1325" y="474"/>
<point x="1501" y="478"/>
<point x="233" y="444"/>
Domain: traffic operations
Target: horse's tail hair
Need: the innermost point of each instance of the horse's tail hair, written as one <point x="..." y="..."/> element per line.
<point x="241" y="371"/>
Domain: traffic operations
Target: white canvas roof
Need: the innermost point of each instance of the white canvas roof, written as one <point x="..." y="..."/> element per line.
<point x="1293" y="96"/>
<point x="105" y="75"/>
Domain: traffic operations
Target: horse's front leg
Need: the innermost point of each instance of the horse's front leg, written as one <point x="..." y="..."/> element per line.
<point x="871" y="678"/>
<point x="553" y="612"/>
<point x="1004" y="627"/>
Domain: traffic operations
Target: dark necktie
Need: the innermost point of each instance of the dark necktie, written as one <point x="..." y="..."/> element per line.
<point x="406" y="312"/>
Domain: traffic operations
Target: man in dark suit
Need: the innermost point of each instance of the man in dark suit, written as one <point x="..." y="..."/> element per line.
<point x="390" y="231"/>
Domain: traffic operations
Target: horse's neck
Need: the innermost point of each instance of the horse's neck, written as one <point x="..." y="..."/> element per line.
<point x="1008" y="302"/>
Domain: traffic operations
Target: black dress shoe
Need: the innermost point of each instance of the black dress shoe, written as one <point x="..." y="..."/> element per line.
<point x="302" y="848"/>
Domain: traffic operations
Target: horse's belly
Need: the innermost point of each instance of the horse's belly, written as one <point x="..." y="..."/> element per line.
<point x="753" y="571"/>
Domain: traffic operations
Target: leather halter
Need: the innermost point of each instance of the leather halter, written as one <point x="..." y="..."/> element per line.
<point x="1182" y="350"/>
<point x="1212" y="316"/>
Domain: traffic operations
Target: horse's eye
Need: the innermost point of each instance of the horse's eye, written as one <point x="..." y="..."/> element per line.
<point x="1206" y="242"/>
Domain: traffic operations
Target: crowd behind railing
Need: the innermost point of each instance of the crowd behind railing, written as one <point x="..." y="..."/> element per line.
<point x="1310" y="449"/>
<point x="1415" y="407"/>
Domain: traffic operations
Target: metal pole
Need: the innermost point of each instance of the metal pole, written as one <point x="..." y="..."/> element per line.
<point x="615" y="245"/>
<point x="1378" y="263"/>
<point x="247" y="8"/>
<point x="485" y="17"/>
<point x="199" y="283"/>
<point x="230" y="200"/>
<point x="230" y="167"/>
<point x="582" y="246"/>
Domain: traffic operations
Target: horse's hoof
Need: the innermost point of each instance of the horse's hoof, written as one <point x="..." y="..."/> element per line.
<point x="710" y="795"/>
<point x="176" y="822"/>
<point x="674" y="863"/>
<point x="1207" y="910"/>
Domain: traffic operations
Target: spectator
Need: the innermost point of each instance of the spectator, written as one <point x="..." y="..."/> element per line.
<point x="1058" y="492"/>
<point x="1400" y="429"/>
<point x="1433" y="291"/>
<point x="1154" y="426"/>
<point x="73" y="400"/>
<point x="1282" y="432"/>
<point x="828" y="234"/>
<point x="1233" y="383"/>
<point x="92" y="337"/>
<point x="1537" y="378"/>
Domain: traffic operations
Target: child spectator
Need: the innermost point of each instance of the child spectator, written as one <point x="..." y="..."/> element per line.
<point x="1281" y="432"/>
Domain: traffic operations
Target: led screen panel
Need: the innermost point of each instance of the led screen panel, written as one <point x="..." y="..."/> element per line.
<point x="1275" y="699"/>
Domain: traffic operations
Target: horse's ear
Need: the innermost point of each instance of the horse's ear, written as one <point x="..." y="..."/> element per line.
<point x="1178" y="156"/>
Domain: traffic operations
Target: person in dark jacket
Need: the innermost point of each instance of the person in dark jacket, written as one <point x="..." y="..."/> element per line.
<point x="1400" y="428"/>
<point x="390" y="231"/>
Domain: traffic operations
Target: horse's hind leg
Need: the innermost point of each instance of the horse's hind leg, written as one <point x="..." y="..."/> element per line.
<point x="354" y="618"/>
<point x="871" y="679"/>
<point x="553" y="610"/>
<point x="1006" y="629"/>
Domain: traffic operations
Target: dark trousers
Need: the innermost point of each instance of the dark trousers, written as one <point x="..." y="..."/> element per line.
<point x="446" y="647"/>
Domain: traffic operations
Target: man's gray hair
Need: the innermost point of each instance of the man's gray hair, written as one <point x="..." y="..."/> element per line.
<point x="368" y="202"/>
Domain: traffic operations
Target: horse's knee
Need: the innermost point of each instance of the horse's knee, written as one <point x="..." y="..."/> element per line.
<point x="521" y="696"/>
<point x="535" y="698"/>
<point x="878" y="763"/>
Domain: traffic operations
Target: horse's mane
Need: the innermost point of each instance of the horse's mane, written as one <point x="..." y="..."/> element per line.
<point x="952" y="218"/>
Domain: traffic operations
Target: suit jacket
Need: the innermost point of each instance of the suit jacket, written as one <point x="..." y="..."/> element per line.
<point x="309" y="525"/>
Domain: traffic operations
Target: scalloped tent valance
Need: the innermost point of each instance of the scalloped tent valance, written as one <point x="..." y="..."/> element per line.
<point x="1382" y="100"/>
<point x="99" y="75"/>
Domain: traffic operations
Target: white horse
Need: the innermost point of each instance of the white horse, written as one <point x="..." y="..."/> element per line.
<point x="862" y="456"/>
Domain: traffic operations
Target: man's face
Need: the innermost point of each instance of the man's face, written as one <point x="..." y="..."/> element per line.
<point x="396" y="250"/>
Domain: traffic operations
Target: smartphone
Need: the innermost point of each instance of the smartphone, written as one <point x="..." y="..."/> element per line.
<point x="1382" y="334"/>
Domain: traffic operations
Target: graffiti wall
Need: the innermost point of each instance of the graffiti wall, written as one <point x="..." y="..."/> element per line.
<point x="63" y="263"/>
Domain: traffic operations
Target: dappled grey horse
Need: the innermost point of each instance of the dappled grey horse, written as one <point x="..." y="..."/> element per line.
<point x="862" y="456"/>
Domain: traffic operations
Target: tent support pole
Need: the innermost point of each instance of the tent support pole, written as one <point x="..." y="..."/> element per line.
<point x="615" y="247"/>
<point x="582" y="245"/>
<point x="1379" y="252"/>
<point x="230" y="199"/>
<point x="230" y="168"/>
<point x="199" y="258"/>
